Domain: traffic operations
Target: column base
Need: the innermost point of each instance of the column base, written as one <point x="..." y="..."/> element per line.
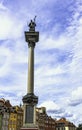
<point x="29" y="129"/>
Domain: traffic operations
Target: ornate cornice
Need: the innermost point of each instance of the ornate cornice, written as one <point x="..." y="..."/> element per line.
<point x="30" y="98"/>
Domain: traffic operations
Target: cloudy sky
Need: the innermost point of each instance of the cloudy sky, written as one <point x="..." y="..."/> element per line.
<point x="58" y="54"/>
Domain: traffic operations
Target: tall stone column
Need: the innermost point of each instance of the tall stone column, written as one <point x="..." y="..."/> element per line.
<point x="30" y="100"/>
<point x="30" y="88"/>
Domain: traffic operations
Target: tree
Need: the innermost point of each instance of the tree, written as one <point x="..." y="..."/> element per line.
<point x="79" y="127"/>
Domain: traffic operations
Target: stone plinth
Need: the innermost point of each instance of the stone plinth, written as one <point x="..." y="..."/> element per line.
<point x="29" y="129"/>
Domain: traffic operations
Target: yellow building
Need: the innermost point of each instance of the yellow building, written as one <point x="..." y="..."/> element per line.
<point x="13" y="120"/>
<point x="19" y="117"/>
<point x="16" y="118"/>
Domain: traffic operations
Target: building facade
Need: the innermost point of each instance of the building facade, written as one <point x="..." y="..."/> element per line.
<point x="19" y="112"/>
<point x="43" y="121"/>
<point x="5" y="118"/>
<point x="0" y="120"/>
<point x="11" y="117"/>
<point x="63" y="124"/>
<point x="12" y="120"/>
<point x="16" y="118"/>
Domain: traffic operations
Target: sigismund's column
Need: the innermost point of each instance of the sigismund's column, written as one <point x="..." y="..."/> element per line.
<point x="30" y="100"/>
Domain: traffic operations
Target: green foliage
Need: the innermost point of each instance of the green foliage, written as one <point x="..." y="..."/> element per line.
<point x="79" y="127"/>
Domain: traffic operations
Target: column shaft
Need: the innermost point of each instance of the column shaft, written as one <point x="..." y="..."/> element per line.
<point x="30" y="87"/>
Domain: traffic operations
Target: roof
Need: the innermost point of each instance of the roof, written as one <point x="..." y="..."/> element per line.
<point x="5" y="102"/>
<point x="65" y="122"/>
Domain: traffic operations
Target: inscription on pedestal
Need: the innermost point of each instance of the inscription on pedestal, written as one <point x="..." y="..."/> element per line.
<point x="29" y="114"/>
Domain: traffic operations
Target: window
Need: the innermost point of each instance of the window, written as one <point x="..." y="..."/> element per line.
<point x="6" y="122"/>
<point x="58" y="128"/>
<point x="62" y="128"/>
<point x="10" y="122"/>
<point x="3" y="122"/>
<point x="1" y="103"/>
<point x="14" y="116"/>
<point x="4" y="116"/>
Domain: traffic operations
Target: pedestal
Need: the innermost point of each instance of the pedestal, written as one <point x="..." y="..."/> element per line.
<point x="29" y="129"/>
<point x="29" y="117"/>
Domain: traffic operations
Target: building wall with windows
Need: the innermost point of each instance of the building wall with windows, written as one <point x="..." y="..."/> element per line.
<point x="0" y="120"/>
<point x="12" y="121"/>
<point x="19" y="112"/>
<point x="5" y="120"/>
<point x="43" y="121"/>
<point x="4" y="109"/>
<point x="11" y="117"/>
<point x="63" y="124"/>
<point x="16" y="118"/>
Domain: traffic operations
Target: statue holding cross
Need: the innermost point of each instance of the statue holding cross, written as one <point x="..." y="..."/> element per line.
<point x="32" y="25"/>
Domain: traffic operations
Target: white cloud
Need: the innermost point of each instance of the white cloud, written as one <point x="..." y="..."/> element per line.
<point x="2" y="7"/>
<point x="75" y="97"/>
<point x="57" y="80"/>
<point x="5" y="56"/>
<point x="77" y="93"/>
<point x="48" y="105"/>
<point x="52" y="42"/>
<point x="10" y="26"/>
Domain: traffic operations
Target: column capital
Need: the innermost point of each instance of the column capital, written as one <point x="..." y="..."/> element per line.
<point x="31" y="44"/>
<point x="30" y="98"/>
